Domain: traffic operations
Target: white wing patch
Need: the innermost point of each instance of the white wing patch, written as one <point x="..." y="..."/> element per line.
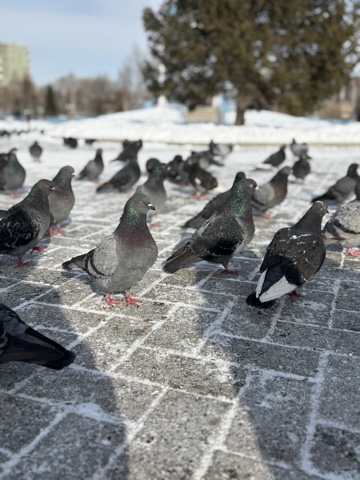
<point x="260" y="284"/>
<point x="279" y="289"/>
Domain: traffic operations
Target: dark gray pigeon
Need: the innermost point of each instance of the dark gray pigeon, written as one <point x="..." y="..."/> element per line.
<point x="94" y="168"/>
<point x="344" y="225"/>
<point x="277" y="158"/>
<point x="36" y="151"/>
<point x="176" y="172"/>
<point x="124" y="179"/>
<point x="293" y="257"/>
<point x="205" y="159"/>
<point x="62" y="199"/>
<point x="213" y="206"/>
<point x="343" y="189"/>
<point x="21" y="343"/>
<point x="12" y="173"/>
<point x="122" y="259"/>
<point x="271" y="194"/>
<point x="130" y="151"/>
<point x="200" y="179"/>
<point x="26" y="223"/>
<point x="302" y="167"/>
<point x="225" y="233"/>
<point x="298" y="149"/>
<point x="154" y="188"/>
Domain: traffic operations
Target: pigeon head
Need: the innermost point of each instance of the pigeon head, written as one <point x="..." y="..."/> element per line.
<point x="153" y="165"/>
<point x="136" y="209"/>
<point x="99" y="151"/>
<point x="311" y="221"/>
<point x="64" y="176"/>
<point x="352" y="170"/>
<point x="286" y="171"/>
<point x="282" y="147"/>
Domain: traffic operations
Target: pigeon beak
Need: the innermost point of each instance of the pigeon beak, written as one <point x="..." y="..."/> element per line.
<point x="151" y="206"/>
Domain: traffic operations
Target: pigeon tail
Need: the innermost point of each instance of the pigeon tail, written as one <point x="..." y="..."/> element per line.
<point x="182" y="258"/>
<point x="78" y="261"/>
<point x="194" y="222"/>
<point x="105" y="187"/>
<point x="253" y="301"/>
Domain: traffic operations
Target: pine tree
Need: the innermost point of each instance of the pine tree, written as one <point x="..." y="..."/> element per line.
<point x="51" y="108"/>
<point x="275" y="54"/>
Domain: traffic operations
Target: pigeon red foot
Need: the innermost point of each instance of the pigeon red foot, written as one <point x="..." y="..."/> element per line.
<point x="200" y="197"/>
<point x="21" y="263"/>
<point x="352" y="252"/>
<point x="39" y="249"/>
<point x="155" y="225"/>
<point x="294" y="296"/>
<point x="130" y="300"/>
<point x="53" y="231"/>
<point x="230" y="271"/>
<point x="267" y="216"/>
<point x="111" y="301"/>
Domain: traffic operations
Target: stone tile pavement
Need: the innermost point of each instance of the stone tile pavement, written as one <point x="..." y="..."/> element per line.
<point x="193" y="384"/>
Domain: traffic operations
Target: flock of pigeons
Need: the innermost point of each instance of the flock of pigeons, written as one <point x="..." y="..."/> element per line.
<point x="225" y="226"/>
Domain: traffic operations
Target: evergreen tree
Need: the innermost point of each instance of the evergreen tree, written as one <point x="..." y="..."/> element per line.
<point x="51" y="108"/>
<point x="289" y="55"/>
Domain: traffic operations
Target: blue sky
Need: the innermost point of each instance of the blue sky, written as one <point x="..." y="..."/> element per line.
<point x="84" y="37"/>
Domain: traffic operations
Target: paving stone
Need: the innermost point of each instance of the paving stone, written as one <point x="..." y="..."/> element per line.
<point x="184" y="331"/>
<point x="22" y="292"/>
<point x="346" y="320"/>
<point x="185" y="277"/>
<point x="247" y="322"/>
<point x="13" y="373"/>
<point x="115" y="396"/>
<point x="335" y="453"/>
<point x="68" y="294"/>
<point x="22" y="422"/>
<point x="272" y="417"/>
<point x="228" y="466"/>
<point x="184" y="373"/>
<point x="220" y="284"/>
<point x="348" y="298"/>
<point x="312" y="307"/>
<point x="340" y="394"/>
<point x="95" y="442"/>
<point x="152" y="451"/>
<point x="262" y="355"/>
<point x="317" y="338"/>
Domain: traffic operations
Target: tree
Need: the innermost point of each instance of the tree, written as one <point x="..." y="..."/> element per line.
<point x="274" y="54"/>
<point x="51" y="107"/>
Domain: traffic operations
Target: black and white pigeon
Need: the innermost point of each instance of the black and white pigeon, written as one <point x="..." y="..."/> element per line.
<point x="293" y="257"/>
<point x="122" y="259"/>
<point x="62" y="199"/>
<point x="36" y="151"/>
<point x="344" y="225"/>
<point x="26" y="223"/>
<point x="225" y="233"/>
<point x="154" y="188"/>
<point x="220" y="150"/>
<point x="343" y="189"/>
<point x="302" y="167"/>
<point x="94" y="168"/>
<point x="12" y="173"/>
<point x="130" y="151"/>
<point x="214" y="206"/>
<point x="277" y="158"/>
<point x="176" y="172"/>
<point x="298" y="149"/>
<point x="21" y="343"/>
<point x="124" y="179"/>
<point x="271" y="194"/>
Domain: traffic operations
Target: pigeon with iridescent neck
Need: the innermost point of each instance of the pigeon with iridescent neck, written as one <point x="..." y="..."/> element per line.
<point x="122" y="259"/>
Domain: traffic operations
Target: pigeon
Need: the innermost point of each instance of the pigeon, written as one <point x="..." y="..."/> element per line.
<point x="154" y="188"/>
<point x="71" y="142"/>
<point x="213" y="206"/>
<point x="176" y="172"/>
<point x="220" y="150"/>
<point x="36" y="151"/>
<point x="302" y="167"/>
<point x="277" y="158"/>
<point x="293" y="257"/>
<point x="226" y="232"/>
<point x="199" y="178"/>
<point x="343" y="188"/>
<point x="27" y="222"/>
<point x="94" y="168"/>
<point x="89" y="141"/>
<point x="153" y="163"/>
<point x="12" y="173"/>
<point x="271" y="194"/>
<point x="345" y="223"/>
<point x="130" y="151"/>
<point x="204" y="158"/>
<point x="124" y="179"/>
<point x="62" y="199"/>
<point x="297" y="149"/>
<point x="21" y="343"/>
<point x="122" y="259"/>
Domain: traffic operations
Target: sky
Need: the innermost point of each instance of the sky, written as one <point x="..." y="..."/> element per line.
<point x="83" y="37"/>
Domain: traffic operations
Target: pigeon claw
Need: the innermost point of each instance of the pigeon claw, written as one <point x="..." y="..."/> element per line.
<point x="111" y="301"/>
<point x="200" y="197"/>
<point x="39" y="249"/>
<point x="130" y="300"/>
<point x="53" y="231"/>
<point x="155" y="225"/>
<point x="294" y="296"/>
<point x="230" y="271"/>
<point x="21" y="263"/>
<point x="352" y="252"/>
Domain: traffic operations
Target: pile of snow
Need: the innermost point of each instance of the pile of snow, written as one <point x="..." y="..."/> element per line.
<point x="12" y="124"/>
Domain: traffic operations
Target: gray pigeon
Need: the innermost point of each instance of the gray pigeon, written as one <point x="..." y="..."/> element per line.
<point x="293" y="257"/>
<point x="222" y="235"/>
<point x="130" y="151"/>
<point x="214" y="206"/>
<point x="124" y="179"/>
<point x="220" y="150"/>
<point x="154" y="188"/>
<point x="94" y="168"/>
<point x="345" y="223"/>
<point x="21" y="343"/>
<point x="204" y="158"/>
<point x="62" y="199"/>
<point x="277" y="158"/>
<point x="36" y="151"/>
<point x="343" y="188"/>
<point x="298" y="149"/>
<point x="271" y="194"/>
<point x="12" y="173"/>
<point x="122" y="259"/>
<point x="26" y="223"/>
<point x="302" y="167"/>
